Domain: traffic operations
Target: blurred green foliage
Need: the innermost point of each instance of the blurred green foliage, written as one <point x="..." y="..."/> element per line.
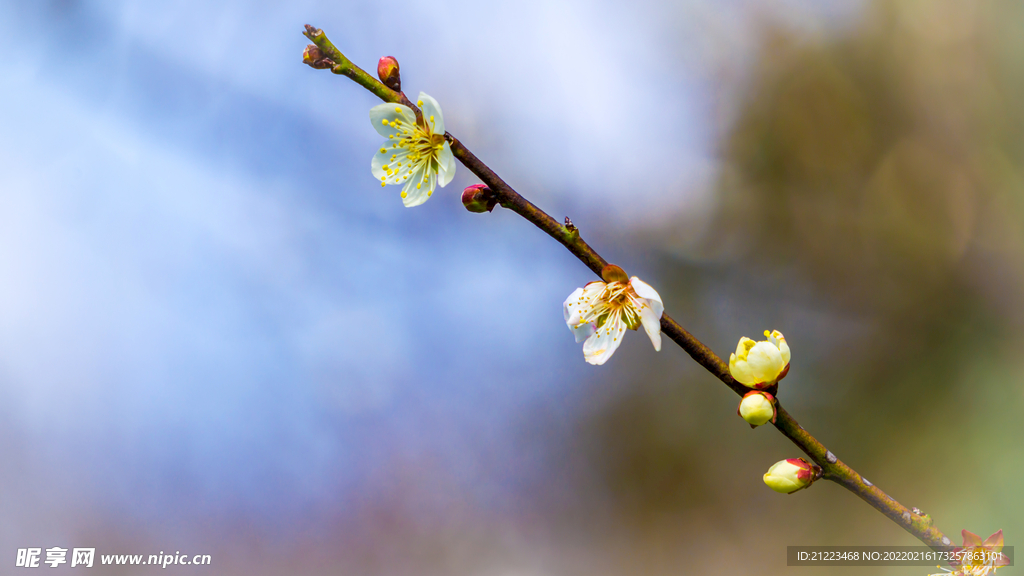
<point x="870" y="205"/>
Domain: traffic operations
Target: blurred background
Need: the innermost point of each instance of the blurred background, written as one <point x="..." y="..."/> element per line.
<point x="219" y="335"/>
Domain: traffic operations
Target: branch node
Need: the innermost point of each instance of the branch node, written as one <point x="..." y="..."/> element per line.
<point x="572" y="231"/>
<point x="830" y="457"/>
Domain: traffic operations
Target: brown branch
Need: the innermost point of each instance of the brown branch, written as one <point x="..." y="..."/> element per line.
<point x="920" y="526"/>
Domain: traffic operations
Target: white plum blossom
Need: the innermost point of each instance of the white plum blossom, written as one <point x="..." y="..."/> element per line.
<point x="600" y="312"/>
<point x="760" y="364"/>
<point x="414" y="154"/>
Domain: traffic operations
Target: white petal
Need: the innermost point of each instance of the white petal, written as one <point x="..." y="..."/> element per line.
<point x="431" y="183"/>
<point x="741" y="371"/>
<point x="451" y="160"/>
<point x="780" y="341"/>
<point x="431" y="113"/>
<point x="414" y="196"/>
<point x="447" y="161"/>
<point x="571" y="311"/>
<point x="765" y="361"/>
<point x="583" y="331"/>
<point x="592" y="289"/>
<point x="651" y="319"/>
<point x="571" y="307"/>
<point x="382" y="115"/>
<point x="644" y="290"/>
<point x="600" y="347"/>
<point x="381" y="159"/>
<point x="744" y="346"/>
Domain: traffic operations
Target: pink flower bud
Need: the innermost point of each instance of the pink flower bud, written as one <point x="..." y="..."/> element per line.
<point x="478" y="198"/>
<point x="387" y="71"/>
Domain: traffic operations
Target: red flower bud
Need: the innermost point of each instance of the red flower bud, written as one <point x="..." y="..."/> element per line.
<point x="478" y="198"/>
<point x="387" y="71"/>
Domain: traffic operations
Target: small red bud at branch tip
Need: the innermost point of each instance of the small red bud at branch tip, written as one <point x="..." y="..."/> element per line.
<point x="612" y="273"/>
<point x="478" y="198"/>
<point x="387" y="71"/>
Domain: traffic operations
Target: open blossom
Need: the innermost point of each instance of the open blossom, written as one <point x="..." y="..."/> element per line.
<point x="760" y="364"/>
<point x="600" y="312"/>
<point x="977" y="558"/>
<point x="415" y="155"/>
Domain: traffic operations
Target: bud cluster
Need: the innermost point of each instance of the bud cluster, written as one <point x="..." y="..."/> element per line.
<point x="760" y="366"/>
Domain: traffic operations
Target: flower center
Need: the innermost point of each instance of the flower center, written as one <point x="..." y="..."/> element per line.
<point x="422" y="144"/>
<point x="617" y="301"/>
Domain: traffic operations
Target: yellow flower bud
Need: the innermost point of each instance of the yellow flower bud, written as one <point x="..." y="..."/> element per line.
<point x="788" y="476"/>
<point x="757" y="408"/>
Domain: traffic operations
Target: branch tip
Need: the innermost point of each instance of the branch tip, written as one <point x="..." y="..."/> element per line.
<point x="312" y="31"/>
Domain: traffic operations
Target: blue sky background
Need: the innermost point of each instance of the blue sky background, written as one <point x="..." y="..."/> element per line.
<point x="217" y="330"/>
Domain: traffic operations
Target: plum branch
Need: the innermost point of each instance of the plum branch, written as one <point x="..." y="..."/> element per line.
<point x="322" y="54"/>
